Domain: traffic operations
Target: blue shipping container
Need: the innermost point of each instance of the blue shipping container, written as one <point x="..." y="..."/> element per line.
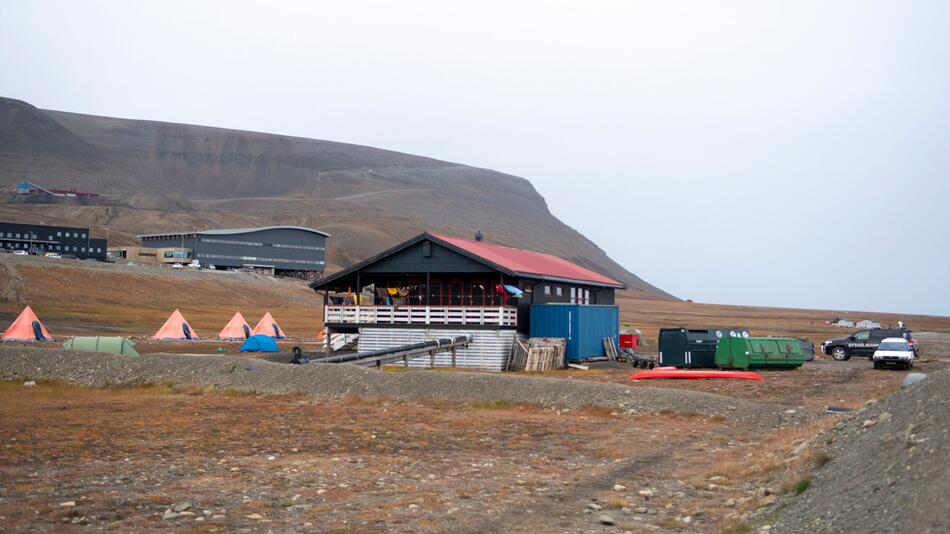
<point x="584" y="327"/>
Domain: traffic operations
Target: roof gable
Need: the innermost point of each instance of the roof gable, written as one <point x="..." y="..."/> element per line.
<point x="527" y="262"/>
<point x="509" y="260"/>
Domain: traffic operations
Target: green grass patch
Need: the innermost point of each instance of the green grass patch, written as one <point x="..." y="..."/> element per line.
<point x="492" y="405"/>
<point x="802" y="485"/>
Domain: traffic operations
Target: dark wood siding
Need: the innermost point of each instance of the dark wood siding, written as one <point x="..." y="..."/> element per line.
<point x="441" y="260"/>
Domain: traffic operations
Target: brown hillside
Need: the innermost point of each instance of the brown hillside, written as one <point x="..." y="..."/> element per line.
<point x="160" y="176"/>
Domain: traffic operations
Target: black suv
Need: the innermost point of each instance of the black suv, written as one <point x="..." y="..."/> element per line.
<point x="861" y="343"/>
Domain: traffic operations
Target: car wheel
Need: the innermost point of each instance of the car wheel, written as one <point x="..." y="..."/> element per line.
<point x="840" y="354"/>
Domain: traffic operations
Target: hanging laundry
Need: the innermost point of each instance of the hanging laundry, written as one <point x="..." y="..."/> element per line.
<point x="515" y="292"/>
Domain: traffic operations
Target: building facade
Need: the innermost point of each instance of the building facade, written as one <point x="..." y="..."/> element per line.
<point x="437" y="285"/>
<point x="40" y="239"/>
<point x="151" y="255"/>
<point x="276" y="249"/>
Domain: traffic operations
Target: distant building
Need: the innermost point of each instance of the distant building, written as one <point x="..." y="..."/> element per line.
<point x="867" y="323"/>
<point x="150" y="254"/>
<point x="29" y="188"/>
<point x="270" y="249"/>
<point x="40" y="239"/>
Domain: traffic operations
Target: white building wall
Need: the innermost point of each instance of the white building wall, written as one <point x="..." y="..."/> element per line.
<point x="488" y="350"/>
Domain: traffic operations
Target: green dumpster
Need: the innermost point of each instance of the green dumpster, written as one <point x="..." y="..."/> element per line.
<point x="758" y="352"/>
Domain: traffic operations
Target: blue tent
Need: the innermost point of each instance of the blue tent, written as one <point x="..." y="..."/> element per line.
<point x="260" y="343"/>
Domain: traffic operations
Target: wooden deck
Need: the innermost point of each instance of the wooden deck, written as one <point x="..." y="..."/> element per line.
<point x="422" y="315"/>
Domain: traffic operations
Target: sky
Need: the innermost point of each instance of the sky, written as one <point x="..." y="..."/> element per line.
<point x="792" y="154"/>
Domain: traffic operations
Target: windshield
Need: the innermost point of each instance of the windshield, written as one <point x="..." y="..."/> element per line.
<point x="893" y="345"/>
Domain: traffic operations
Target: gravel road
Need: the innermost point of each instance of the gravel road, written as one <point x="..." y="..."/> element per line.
<point x="341" y="380"/>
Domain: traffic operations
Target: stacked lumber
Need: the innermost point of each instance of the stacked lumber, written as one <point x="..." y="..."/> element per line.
<point x="537" y="354"/>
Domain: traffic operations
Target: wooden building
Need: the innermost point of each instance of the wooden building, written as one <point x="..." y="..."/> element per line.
<point x="438" y="285"/>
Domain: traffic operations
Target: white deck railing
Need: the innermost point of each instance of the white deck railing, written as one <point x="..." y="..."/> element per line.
<point x="461" y="315"/>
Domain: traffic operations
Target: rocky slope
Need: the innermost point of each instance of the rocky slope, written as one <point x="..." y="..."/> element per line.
<point x="161" y="176"/>
<point x="889" y="469"/>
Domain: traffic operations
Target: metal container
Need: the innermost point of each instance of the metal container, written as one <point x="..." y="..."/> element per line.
<point x="759" y="352"/>
<point x="629" y="341"/>
<point x="583" y="326"/>
<point x="693" y="347"/>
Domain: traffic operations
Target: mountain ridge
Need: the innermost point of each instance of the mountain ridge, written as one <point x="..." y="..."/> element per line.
<point x="163" y="176"/>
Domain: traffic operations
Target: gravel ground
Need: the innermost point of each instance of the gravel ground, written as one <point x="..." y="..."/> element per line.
<point x="889" y="469"/>
<point x="340" y="380"/>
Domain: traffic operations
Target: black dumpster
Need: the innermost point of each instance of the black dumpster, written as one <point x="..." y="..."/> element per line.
<point x="693" y="347"/>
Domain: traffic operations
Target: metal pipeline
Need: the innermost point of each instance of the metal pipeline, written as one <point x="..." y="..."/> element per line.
<point x="421" y="346"/>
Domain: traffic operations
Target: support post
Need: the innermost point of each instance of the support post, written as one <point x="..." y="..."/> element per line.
<point x="432" y="359"/>
<point x="405" y="360"/>
<point x="453" y="356"/>
<point x="501" y="297"/>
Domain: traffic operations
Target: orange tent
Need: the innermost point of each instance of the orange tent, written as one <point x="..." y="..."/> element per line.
<point x="268" y="326"/>
<point x="176" y="327"/>
<point x="237" y="328"/>
<point x="26" y="327"/>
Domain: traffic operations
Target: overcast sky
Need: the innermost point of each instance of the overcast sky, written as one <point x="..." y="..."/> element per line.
<point x="770" y="153"/>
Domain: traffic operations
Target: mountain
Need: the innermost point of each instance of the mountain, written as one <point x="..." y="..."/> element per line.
<point x="157" y="176"/>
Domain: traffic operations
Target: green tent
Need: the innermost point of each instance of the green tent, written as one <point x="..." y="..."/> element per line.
<point x="114" y="345"/>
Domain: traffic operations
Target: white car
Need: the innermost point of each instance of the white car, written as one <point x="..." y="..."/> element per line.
<point x="894" y="351"/>
<point x="177" y="266"/>
<point x="20" y="253"/>
<point x="54" y="255"/>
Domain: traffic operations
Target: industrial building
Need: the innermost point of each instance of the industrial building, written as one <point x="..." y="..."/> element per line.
<point x="284" y="250"/>
<point x="64" y="240"/>
<point x="436" y="285"/>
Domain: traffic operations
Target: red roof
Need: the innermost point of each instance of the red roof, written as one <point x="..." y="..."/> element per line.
<point x="526" y="261"/>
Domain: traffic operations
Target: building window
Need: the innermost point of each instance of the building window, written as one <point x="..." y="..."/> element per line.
<point x="59" y="234"/>
<point x="84" y="236"/>
<point x="547" y="290"/>
<point x="558" y="291"/>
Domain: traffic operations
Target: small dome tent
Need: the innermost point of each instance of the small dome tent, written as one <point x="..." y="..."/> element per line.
<point x="260" y="343"/>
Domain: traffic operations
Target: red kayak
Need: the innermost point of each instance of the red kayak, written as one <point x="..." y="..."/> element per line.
<point x="667" y="372"/>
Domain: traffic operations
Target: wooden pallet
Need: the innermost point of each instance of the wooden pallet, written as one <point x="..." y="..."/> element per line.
<point x="610" y="348"/>
<point x="537" y="354"/>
